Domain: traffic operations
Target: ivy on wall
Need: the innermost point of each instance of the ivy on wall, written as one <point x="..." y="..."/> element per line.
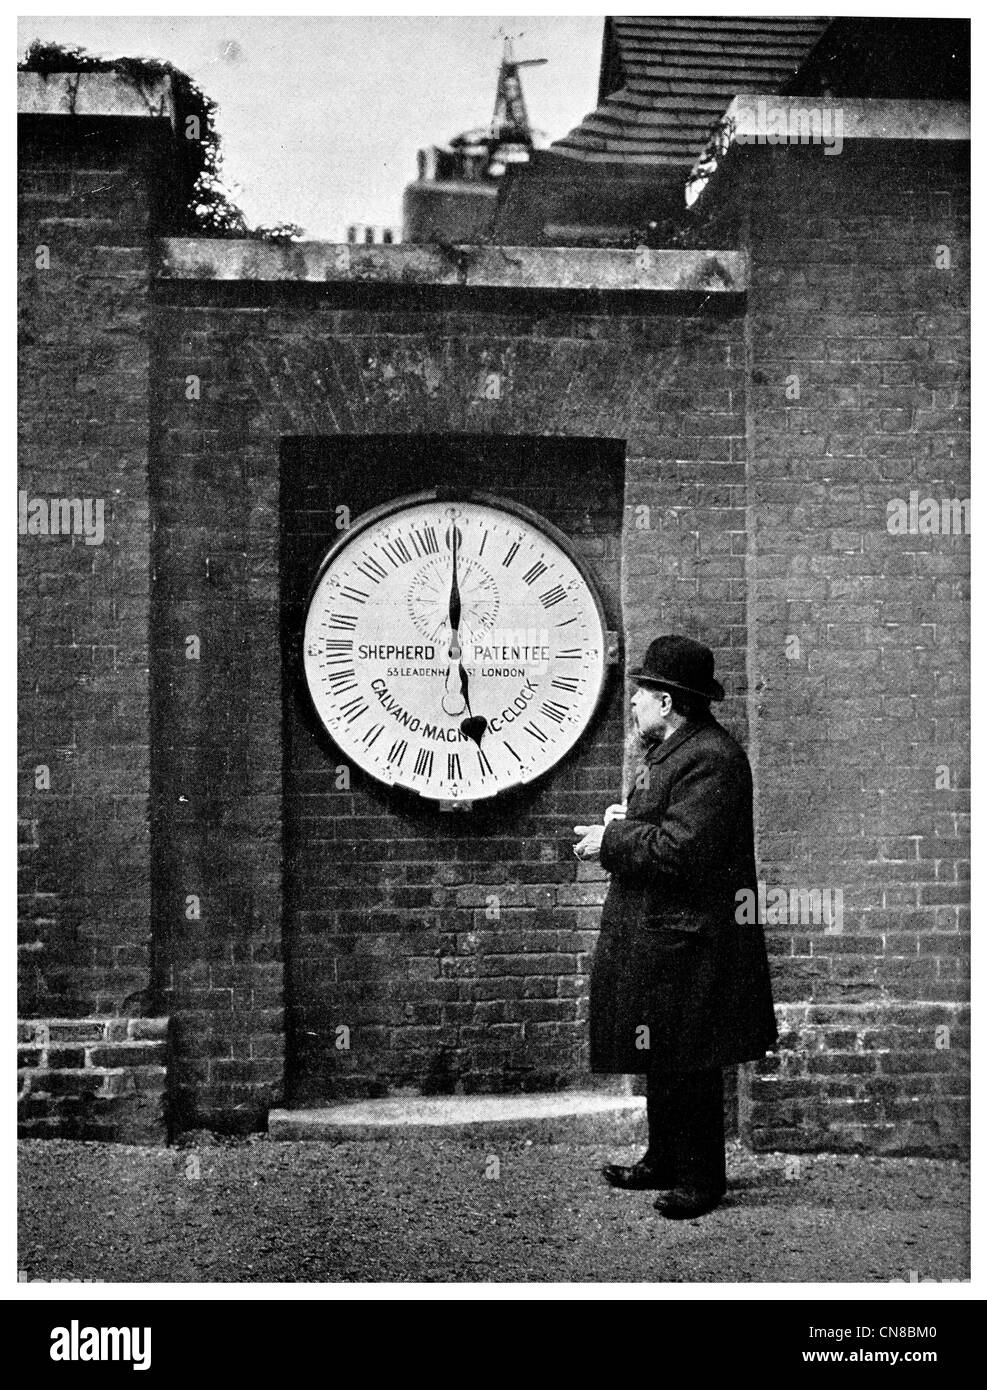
<point x="209" y="209"/>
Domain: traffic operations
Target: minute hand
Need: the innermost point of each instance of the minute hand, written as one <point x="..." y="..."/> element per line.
<point x="455" y="604"/>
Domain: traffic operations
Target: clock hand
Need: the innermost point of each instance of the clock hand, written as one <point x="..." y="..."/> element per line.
<point x="455" y="605"/>
<point x="455" y="614"/>
<point x="474" y="726"/>
<point x="464" y="685"/>
<point x="455" y="650"/>
<point x="452" y="702"/>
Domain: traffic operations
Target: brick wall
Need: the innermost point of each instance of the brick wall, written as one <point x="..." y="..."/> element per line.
<point x="393" y="930"/>
<point x="93" y="1078"/>
<point x="760" y="456"/>
<point x="87" y="194"/>
<point x="858" y="357"/>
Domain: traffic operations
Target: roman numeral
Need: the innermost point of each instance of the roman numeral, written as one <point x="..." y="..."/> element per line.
<point x="554" y="710"/>
<point x="423" y="763"/>
<point x="484" y="762"/>
<point x="425" y="541"/>
<point x="535" y="572"/>
<point x="533" y="729"/>
<point x="398" y="750"/>
<point x="353" y="709"/>
<point x="339" y="645"/>
<point x="566" y="683"/>
<point x="511" y="553"/>
<point x="372" y="569"/>
<point x="552" y="596"/>
<point x="455" y="772"/>
<point x="483" y="542"/>
<point x="346" y="622"/>
<point x="513" y="751"/>
<point x="373" y="734"/>
<point x="397" y="547"/>
<point x="357" y="595"/>
<point x="341" y="681"/>
<point x="571" y="654"/>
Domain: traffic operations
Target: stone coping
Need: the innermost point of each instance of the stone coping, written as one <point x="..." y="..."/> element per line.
<point x="860" y="118"/>
<point x="760" y="119"/>
<point x="480" y="267"/>
<point x="93" y="94"/>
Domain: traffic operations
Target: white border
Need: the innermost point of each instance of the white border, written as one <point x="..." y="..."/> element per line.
<point x="877" y="1293"/>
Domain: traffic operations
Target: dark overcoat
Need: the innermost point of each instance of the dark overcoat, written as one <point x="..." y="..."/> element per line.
<point x="671" y="958"/>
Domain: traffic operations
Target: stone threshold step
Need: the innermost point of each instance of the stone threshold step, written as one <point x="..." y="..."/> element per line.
<point x="556" y="1117"/>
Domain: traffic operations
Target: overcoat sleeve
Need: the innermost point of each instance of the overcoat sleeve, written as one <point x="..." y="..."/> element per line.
<point x="685" y="840"/>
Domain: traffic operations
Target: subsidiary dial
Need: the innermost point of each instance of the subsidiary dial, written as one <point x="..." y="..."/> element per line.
<point x="428" y="600"/>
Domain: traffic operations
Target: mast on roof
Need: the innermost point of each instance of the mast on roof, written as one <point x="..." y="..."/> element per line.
<point x="510" y="117"/>
<point x="456" y="193"/>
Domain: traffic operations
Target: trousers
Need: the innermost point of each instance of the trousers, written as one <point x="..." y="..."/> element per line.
<point x="685" y="1128"/>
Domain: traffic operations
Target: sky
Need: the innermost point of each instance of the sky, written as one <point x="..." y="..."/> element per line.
<point x="321" y="117"/>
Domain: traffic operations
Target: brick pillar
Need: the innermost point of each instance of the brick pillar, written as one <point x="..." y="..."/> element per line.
<point x="91" y="189"/>
<point x="858" y="359"/>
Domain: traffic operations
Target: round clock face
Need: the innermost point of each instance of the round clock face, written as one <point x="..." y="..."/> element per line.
<point x="454" y="648"/>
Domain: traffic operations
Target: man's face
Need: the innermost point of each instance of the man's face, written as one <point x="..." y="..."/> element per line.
<point x="651" y="710"/>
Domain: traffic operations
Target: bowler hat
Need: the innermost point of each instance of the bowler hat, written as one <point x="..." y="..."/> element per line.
<point x="679" y="663"/>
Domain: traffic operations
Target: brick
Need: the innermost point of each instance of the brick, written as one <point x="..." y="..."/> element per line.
<point x="83" y="1082"/>
<point x="66" y="1056"/>
<point x="147" y="1028"/>
<point x="75" y="1030"/>
<point x="127" y="1054"/>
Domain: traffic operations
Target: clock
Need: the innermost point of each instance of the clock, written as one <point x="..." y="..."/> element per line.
<point x="454" y="647"/>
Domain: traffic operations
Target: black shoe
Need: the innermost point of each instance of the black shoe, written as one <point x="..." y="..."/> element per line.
<point x="641" y="1177"/>
<point x="683" y="1203"/>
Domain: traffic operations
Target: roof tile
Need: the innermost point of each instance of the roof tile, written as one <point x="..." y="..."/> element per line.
<point x="672" y="77"/>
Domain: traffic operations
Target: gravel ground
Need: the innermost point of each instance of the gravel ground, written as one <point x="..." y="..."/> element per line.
<point x="414" y="1210"/>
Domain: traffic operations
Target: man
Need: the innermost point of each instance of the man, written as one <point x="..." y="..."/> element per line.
<point x="679" y="987"/>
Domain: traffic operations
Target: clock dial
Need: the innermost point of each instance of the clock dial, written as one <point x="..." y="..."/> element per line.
<point x="454" y="648"/>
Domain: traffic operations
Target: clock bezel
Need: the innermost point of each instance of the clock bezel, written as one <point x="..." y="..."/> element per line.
<point x="463" y="496"/>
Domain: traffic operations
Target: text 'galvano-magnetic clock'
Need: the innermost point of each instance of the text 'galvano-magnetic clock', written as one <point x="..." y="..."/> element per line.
<point x="454" y="647"/>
